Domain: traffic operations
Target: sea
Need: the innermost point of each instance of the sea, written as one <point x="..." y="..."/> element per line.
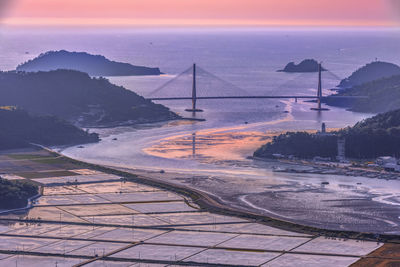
<point x="233" y="61"/>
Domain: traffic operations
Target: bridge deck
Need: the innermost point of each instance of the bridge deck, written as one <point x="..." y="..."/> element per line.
<point x="248" y="97"/>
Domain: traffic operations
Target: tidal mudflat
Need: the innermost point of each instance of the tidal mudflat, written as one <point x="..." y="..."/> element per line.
<point x="218" y="164"/>
<point x="140" y="224"/>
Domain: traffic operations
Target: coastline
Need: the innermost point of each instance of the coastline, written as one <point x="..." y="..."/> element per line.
<point x="332" y="168"/>
<point x="213" y="204"/>
<point x="233" y="175"/>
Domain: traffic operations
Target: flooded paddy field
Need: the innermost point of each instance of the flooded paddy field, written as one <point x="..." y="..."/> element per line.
<point x="101" y="222"/>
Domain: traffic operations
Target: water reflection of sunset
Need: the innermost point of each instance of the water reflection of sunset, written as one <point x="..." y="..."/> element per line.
<point x="209" y="146"/>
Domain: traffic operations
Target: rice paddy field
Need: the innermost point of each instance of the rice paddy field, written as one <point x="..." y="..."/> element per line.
<point x="89" y="218"/>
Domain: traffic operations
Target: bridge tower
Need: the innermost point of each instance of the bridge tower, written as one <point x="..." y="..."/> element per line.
<point x="319" y="92"/>
<point x="194" y="93"/>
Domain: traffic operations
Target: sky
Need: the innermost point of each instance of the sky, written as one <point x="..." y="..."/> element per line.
<point x="200" y="12"/>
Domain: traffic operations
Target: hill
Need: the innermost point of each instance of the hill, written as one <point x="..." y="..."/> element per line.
<point x="372" y="71"/>
<point x="15" y="194"/>
<point x="307" y="65"/>
<point x="76" y="97"/>
<point x="94" y="65"/>
<point x="383" y="95"/>
<point x="371" y="138"/>
<point x="19" y="129"/>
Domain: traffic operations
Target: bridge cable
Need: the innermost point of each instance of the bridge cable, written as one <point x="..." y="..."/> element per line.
<point x="224" y="81"/>
<point x="171" y="81"/>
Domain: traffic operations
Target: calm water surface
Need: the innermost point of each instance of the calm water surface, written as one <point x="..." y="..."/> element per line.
<point x="248" y="59"/>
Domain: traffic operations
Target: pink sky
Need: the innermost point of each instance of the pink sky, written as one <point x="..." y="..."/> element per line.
<point x="200" y="12"/>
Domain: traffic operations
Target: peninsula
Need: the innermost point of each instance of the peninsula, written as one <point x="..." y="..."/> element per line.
<point x="19" y="130"/>
<point x="76" y="97"/>
<point x="382" y="130"/>
<point x="377" y="96"/>
<point x="370" y="72"/>
<point x="94" y="65"/>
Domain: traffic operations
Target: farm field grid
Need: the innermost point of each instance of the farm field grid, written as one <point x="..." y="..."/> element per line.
<point x="89" y="218"/>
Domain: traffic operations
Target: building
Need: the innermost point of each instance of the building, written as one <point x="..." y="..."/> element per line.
<point x="323" y="128"/>
<point x="341" y="149"/>
<point x="323" y="131"/>
<point x="381" y="161"/>
<point x="389" y="163"/>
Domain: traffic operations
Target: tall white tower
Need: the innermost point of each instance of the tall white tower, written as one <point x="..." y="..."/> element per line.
<point x="341" y="148"/>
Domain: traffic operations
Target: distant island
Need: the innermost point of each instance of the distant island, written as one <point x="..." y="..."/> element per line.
<point x="15" y="194"/>
<point x="371" y="138"/>
<point x="307" y="65"/>
<point x="370" y="72"/>
<point x="19" y="129"/>
<point x="76" y="97"/>
<point x="94" y="65"/>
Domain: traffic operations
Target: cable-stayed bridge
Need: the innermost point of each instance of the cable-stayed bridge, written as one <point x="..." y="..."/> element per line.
<point x="205" y="86"/>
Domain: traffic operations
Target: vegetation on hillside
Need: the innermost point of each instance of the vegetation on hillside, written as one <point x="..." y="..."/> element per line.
<point x="15" y="194"/>
<point x="371" y="138"/>
<point x="381" y="96"/>
<point x="19" y="129"/>
<point x="372" y="71"/>
<point x="76" y="97"/>
<point x="95" y="65"/>
<point x="299" y="144"/>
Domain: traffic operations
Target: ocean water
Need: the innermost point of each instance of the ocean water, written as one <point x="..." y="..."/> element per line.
<point x="244" y="60"/>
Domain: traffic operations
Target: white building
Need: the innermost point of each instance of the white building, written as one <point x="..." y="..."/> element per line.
<point x="381" y="161"/>
<point x="389" y="163"/>
<point x="341" y="149"/>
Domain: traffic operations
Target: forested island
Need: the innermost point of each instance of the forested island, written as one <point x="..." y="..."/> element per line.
<point x="15" y="194"/>
<point x="19" y="129"/>
<point x="371" y="138"/>
<point x="370" y="72"/>
<point x="78" y="98"/>
<point x="307" y="65"/>
<point x="94" y="65"/>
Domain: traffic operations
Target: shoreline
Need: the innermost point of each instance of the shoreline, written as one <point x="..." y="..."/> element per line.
<point x="214" y="159"/>
<point x="331" y="168"/>
<point x="212" y="204"/>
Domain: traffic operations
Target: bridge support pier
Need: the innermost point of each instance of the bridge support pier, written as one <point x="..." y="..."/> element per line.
<point x="319" y="92"/>
<point x="194" y="94"/>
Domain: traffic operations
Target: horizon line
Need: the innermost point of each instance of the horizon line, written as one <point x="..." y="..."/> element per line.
<point x="185" y="23"/>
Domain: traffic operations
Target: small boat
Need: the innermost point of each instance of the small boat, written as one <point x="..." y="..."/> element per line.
<point x="325" y="183"/>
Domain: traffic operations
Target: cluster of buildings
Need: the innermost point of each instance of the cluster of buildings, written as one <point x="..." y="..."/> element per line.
<point x="388" y="163"/>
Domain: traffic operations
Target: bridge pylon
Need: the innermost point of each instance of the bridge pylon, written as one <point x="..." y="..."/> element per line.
<point x="194" y="93"/>
<point x="319" y="92"/>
